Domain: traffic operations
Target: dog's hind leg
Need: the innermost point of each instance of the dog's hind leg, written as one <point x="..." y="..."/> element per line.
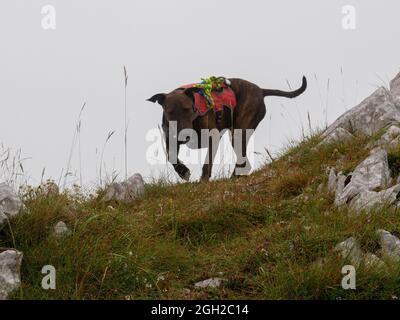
<point x="240" y="139"/>
<point x="213" y="142"/>
<point x="244" y="126"/>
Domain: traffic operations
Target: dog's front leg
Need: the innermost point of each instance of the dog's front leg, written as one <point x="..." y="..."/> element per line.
<point x="172" y="154"/>
<point x="213" y="142"/>
<point x="182" y="170"/>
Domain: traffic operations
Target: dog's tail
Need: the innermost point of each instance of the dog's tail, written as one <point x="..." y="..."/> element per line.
<point x="287" y="94"/>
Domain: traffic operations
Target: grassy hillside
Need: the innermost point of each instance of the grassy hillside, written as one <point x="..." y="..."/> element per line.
<point x="271" y="235"/>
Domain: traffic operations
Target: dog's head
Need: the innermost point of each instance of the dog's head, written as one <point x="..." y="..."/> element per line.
<point x="178" y="106"/>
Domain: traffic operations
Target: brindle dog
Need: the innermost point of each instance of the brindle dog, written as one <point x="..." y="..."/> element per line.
<point x="178" y="106"/>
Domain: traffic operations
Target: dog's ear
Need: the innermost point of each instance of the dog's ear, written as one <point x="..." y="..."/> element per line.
<point x="159" y="97"/>
<point x="190" y="91"/>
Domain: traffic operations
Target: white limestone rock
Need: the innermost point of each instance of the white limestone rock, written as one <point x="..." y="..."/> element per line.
<point x="61" y="229"/>
<point x="210" y="283"/>
<point x="350" y="249"/>
<point x="367" y="200"/>
<point x="395" y="90"/>
<point x="373" y="261"/>
<point x="10" y="278"/>
<point x="390" y="244"/>
<point x="10" y="203"/>
<point x="332" y="181"/>
<point x="127" y="191"/>
<point x="337" y="135"/>
<point x="371" y="115"/>
<point x="371" y="174"/>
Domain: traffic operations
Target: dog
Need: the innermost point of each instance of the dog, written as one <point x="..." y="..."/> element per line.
<point x="249" y="111"/>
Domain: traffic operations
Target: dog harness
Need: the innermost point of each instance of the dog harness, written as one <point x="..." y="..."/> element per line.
<point x="215" y="93"/>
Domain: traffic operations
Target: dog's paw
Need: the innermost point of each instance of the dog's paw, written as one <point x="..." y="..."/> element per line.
<point x="186" y="176"/>
<point x="182" y="171"/>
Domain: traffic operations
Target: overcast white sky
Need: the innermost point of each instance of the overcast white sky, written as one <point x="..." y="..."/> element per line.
<point x="46" y="75"/>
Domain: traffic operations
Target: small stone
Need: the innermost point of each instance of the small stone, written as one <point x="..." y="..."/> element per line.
<point x="371" y="260"/>
<point x="61" y="229"/>
<point x="160" y="278"/>
<point x="340" y="184"/>
<point x="390" y="244"/>
<point x="10" y="203"/>
<point x="320" y="188"/>
<point x="209" y="283"/>
<point x="50" y="188"/>
<point x="332" y="181"/>
<point x="127" y="191"/>
<point x="350" y="249"/>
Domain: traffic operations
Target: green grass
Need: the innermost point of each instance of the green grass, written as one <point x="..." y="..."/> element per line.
<point x="271" y="235"/>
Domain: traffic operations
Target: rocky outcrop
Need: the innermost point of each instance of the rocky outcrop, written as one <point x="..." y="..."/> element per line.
<point x="10" y="279"/>
<point x="370" y="185"/>
<point x="389" y="249"/>
<point x="127" y="191"/>
<point x="367" y="187"/>
<point x="10" y="203"/>
<point x="367" y="200"/>
<point x="395" y="90"/>
<point x="378" y="111"/>
<point x="360" y="185"/>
